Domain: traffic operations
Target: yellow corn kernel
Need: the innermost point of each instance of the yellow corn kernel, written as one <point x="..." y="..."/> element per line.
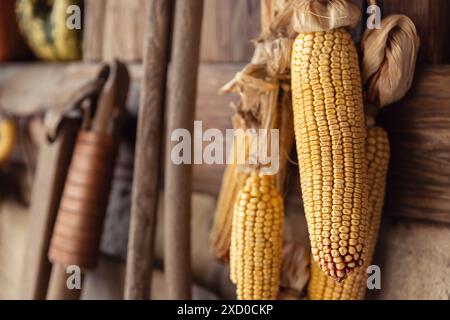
<point x="220" y="236"/>
<point x="256" y="239"/>
<point x="330" y="137"/>
<point x="354" y="287"/>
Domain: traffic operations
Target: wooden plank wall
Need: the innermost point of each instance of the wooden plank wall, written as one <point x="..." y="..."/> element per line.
<point x="115" y="29"/>
<point x="418" y="128"/>
<point x="419" y="131"/>
<point x="228" y="28"/>
<point x="432" y="19"/>
<point x="416" y="189"/>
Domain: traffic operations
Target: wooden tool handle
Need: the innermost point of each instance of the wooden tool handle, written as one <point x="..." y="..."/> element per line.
<point x="111" y="105"/>
<point x="148" y="151"/>
<point x="178" y="178"/>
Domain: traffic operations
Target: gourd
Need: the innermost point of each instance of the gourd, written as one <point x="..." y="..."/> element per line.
<point x="44" y="26"/>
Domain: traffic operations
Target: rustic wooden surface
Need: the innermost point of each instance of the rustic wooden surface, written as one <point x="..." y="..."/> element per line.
<point x="228" y="28"/>
<point x="47" y="86"/>
<point x="148" y="151"/>
<point x="94" y="21"/>
<point x="432" y="19"/>
<point x="115" y="28"/>
<point x="124" y="29"/>
<point x="419" y="131"/>
<point x="178" y="178"/>
<point x="53" y="161"/>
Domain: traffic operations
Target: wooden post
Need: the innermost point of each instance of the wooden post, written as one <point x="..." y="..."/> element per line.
<point x="178" y="178"/>
<point x="148" y="151"/>
<point x="52" y="165"/>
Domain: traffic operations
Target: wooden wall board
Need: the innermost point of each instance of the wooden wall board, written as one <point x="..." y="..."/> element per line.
<point x="432" y="20"/>
<point x="115" y="29"/>
<point x="419" y="132"/>
<point x="94" y="20"/>
<point x="123" y="35"/>
<point x="228" y="28"/>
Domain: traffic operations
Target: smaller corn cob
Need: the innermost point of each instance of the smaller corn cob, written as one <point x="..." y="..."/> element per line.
<point x="232" y="182"/>
<point x="256" y="239"/>
<point x="322" y="287"/>
<point x="7" y="138"/>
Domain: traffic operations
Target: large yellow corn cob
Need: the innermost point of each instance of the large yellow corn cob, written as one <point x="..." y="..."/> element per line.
<point x="322" y="287"/>
<point x="256" y="239"/>
<point x="330" y="137"/>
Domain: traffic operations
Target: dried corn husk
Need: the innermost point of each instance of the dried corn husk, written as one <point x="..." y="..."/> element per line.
<point x="390" y="55"/>
<point x="263" y="88"/>
<point x="294" y="271"/>
<point x="314" y="15"/>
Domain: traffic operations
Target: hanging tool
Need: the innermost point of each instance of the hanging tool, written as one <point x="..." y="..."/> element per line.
<point x="79" y="224"/>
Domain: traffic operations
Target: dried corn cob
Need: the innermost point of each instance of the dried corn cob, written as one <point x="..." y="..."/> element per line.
<point x="232" y="182"/>
<point x="256" y="240"/>
<point x="330" y="137"/>
<point x="322" y="287"/>
<point x="7" y="139"/>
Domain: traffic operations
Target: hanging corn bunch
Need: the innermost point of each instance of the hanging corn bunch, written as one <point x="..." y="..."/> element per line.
<point x="388" y="66"/>
<point x="354" y="287"/>
<point x="249" y="215"/>
<point x="330" y="133"/>
<point x="265" y="103"/>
